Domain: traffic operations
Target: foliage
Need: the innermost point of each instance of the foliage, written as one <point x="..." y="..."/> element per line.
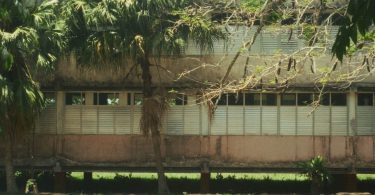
<point x="106" y="31"/>
<point x="359" y="18"/>
<point x="315" y="169"/>
<point x="29" y="38"/>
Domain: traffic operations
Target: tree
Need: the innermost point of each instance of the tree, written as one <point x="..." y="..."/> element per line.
<point x="359" y="17"/>
<point x="28" y="39"/>
<point x="105" y="32"/>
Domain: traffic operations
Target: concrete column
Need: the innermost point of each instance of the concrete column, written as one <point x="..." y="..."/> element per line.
<point x="352" y="112"/>
<point x="60" y="104"/>
<point x="89" y="98"/>
<point x="87" y="179"/>
<point x="60" y="182"/>
<point x="123" y="98"/>
<point x="346" y="182"/>
<point x="205" y="179"/>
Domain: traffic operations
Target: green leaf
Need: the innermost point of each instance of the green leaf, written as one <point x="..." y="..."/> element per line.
<point x="353" y="33"/>
<point x="6" y="60"/>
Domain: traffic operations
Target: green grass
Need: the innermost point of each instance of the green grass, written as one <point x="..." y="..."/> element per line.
<point x="255" y="176"/>
<point x="362" y="177"/>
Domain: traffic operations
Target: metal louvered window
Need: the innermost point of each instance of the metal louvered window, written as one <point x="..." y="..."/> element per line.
<point x="365" y="114"/>
<point x="46" y="122"/>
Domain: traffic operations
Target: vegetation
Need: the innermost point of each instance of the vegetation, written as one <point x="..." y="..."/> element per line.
<point x="359" y="18"/>
<point x="104" y="33"/>
<point x="28" y="39"/>
<point x="147" y="183"/>
<point x="317" y="172"/>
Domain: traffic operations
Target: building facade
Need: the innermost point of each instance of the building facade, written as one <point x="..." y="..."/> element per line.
<point x="92" y="118"/>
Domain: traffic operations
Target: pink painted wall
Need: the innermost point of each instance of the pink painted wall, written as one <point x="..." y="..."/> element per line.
<point x="190" y="151"/>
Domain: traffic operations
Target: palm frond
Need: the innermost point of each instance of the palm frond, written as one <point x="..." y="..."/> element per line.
<point x="45" y="15"/>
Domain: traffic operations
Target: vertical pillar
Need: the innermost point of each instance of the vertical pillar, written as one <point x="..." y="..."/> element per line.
<point x="60" y="182"/>
<point x="87" y="179"/>
<point x="60" y="106"/>
<point x="205" y="179"/>
<point x="352" y="112"/>
<point x="59" y="179"/>
<point x="89" y="98"/>
<point x="346" y="182"/>
<point x="60" y="103"/>
<point x="123" y="98"/>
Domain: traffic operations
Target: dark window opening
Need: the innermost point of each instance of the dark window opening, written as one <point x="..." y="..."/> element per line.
<point x="235" y="99"/>
<point x="50" y="98"/>
<point x="106" y="98"/>
<point x="129" y="99"/>
<point x="252" y="99"/>
<point x="222" y="101"/>
<point x="178" y="100"/>
<point x="75" y="98"/>
<point x="338" y="99"/>
<point x="365" y="99"/>
<point x="269" y="99"/>
<point x="138" y="99"/>
<point x="288" y="99"/>
<point x="304" y="99"/>
<point x="324" y="99"/>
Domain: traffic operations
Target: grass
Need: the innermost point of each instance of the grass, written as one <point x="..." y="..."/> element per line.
<point x="146" y="183"/>
<point x="255" y="176"/>
<point x="363" y="177"/>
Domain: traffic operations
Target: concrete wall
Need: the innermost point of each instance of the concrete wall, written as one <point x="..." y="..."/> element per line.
<point x="121" y="152"/>
<point x="264" y="55"/>
<point x="198" y="70"/>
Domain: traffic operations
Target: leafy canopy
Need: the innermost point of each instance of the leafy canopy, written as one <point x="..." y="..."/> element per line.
<point x="105" y="31"/>
<point x="359" y="18"/>
<point x="29" y="38"/>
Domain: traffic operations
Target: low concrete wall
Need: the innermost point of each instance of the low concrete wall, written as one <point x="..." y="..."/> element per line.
<point x="182" y="152"/>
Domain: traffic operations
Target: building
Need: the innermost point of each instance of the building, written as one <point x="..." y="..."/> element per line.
<point x="92" y="122"/>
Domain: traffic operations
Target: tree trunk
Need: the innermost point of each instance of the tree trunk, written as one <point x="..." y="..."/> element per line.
<point x="155" y="134"/>
<point x="9" y="168"/>
<point x="315" y="186"/>
<point x="162" y="181"/>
